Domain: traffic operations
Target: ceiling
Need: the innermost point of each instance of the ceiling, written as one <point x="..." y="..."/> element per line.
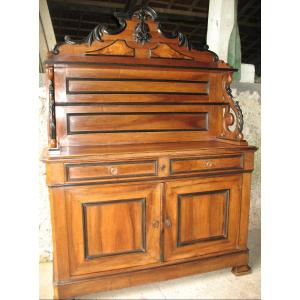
<point x="78" y="17"/>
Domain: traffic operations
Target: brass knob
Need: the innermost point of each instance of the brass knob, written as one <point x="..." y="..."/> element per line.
<point x="155" y="224"/>
<point x="168" y="223"/>
<point x="209" y="164"/>
<point x="113" y="171"/>
<point x="163" y="167"/>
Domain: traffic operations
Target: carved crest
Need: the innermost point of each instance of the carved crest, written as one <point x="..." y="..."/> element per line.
<point x="142" y="32"/>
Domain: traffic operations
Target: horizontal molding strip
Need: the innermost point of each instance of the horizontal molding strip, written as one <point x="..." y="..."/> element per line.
<point x="141" y="113"/>
<point x="134" y="79"/>
<point x="53" y="62"/>
<point x="136" y="103"/>
<point x="132" y="131"/>
<point x="133" y="93"/>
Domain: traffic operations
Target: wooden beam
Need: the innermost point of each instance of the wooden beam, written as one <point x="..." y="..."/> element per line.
<point x="177" y="12"/>
<point x="130" y="5"/>
<point x="74" y="20"/>
<point x="73" y="28"/>
<point x="111" y="8"/>
<point x="251" y="14"/>
<point x="245" y="7"/>
<point x="196" y="29"/>
<point x="252" y="44"/>
<point x="192" y="6"/>
<point x="253" y="57"/>
<point x="171" y="2"/>
<point x="91" y="3"/>
<point x="247" y="24"/>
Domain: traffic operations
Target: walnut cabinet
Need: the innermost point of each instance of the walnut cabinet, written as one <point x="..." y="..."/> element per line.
<point x="148" y="171"/>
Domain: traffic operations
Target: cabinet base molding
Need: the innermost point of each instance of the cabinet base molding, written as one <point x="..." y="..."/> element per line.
<point x="241" y="270"/>
<point x="163" y="272"/>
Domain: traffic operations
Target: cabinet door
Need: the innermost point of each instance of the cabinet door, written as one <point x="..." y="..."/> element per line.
<point x="201" y="216"/>
<point x="112" y="226"/>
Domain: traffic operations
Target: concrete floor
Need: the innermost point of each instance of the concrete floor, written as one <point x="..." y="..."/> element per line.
<point x="214" y="285"/>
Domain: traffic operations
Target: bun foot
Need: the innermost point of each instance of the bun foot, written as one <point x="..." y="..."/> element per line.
<point x="241" y="270"/>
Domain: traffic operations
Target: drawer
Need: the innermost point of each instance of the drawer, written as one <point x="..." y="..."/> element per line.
<point x="100" y="171"/>
<point x="200" y="164"/>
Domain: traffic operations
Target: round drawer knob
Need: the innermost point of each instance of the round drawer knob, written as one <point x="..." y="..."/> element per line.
<point x="168" y="223"/>
<point x="155" y="224"/>
<point x="113" y="171"/>
<point x="209" y="164"/>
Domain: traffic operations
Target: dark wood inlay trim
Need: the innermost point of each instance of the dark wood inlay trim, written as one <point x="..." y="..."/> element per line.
<point x="203" y="158"/>
<point x="70" y="132"/>
<point x="69" y="166"/>
<point x="136" y="103"/>
<point x="92" y="53"/>
<point x="211" y="238"/>
<point x="134" y="79"/>
<point x="143" y="227"/>
<point x="54" y="62"/>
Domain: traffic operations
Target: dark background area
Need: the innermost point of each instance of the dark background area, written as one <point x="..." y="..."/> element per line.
<point x="78" y="17"/>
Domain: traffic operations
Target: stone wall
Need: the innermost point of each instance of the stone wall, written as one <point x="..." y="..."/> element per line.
<point x="45" y="238"/>
<point x="249" y="96"/>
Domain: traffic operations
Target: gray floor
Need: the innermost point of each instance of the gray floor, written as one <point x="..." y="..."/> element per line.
<point x="214" y="285"/>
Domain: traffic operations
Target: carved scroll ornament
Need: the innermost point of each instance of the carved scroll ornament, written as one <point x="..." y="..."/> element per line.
<point x="142" y="32"/>
<point x="229" y="118"/>
<point x="52" y="118"/>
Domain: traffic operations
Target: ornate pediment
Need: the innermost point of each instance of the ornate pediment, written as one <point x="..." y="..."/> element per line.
<point x="135" y="29"/>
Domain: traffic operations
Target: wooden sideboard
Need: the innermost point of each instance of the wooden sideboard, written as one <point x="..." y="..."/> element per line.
<point x="148" y="171"/>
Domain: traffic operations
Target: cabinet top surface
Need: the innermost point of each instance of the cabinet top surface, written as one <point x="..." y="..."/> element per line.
<point x="161" y="149"/>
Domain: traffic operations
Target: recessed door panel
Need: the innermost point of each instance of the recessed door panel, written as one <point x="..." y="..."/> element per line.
<point x="112" y="226"/>
<point x="201" y="216"/>
<point x="127" y="235"/>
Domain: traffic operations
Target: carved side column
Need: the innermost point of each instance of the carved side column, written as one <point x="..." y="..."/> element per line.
<point x="232" y="115"/>
<point x="52" y="118"/>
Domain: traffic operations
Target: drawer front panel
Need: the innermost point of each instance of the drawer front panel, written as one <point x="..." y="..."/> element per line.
<point x="98" y="171"/>
<point x="191" y="165"/>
